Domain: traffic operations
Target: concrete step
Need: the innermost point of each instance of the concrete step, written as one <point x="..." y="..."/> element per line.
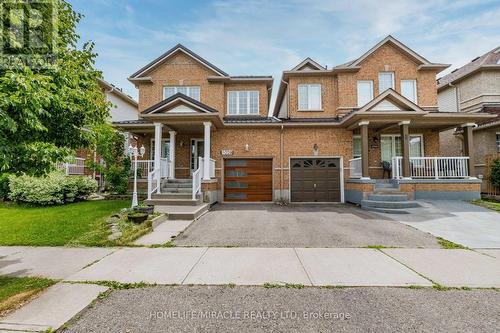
<point x="177" y="181"/>
<point x="183" y="212"/>
<point x="387" y="210"/>
<point x="387" y="197"/>
<point x="177" y="190"/>
<point x="177" y="185"/>
<point x="386" y="185"/>
<point x="173" y="195"/>
<point x="389" y="204"/>
<point x="387" y="190"/>
<point x="173" y="202"/>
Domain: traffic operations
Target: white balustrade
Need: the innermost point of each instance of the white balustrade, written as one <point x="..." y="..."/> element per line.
<point x="432" y="167"/>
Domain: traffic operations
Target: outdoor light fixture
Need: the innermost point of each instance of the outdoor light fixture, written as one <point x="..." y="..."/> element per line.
<point x="135" y="152"/>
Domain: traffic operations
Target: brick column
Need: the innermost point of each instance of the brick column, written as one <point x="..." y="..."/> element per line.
<point x="405" y="148"/>
<point x="469" y="147"/>
<point x="365" y="158"/>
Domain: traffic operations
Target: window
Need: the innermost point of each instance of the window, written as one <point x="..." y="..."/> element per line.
<point x="498" y="142"/>
<point x="356" y="146"/>
<point x="409" y="89"/>
<point x="365" y="92"/>
<point x="165" y="149"/>
<point x="390" y="146"/>
<point x="385" y="81"/>
<point x="309" y="97"/>
<point x="190" y="91"/>
<point x="242" y="102"/>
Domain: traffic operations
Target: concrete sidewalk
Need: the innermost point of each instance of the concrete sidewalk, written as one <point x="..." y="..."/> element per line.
<point x="257" y="266"/>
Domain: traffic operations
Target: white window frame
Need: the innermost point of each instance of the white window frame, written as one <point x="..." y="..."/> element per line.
<point x="238" y="111"/>
<point x="152" y="148"/>
<point x="414" y="89"/>
<point x="393" y="143"/>
<point x="497" y="137"/>
<point x="177" y="90"/>
<point x="356" y="137"/>
<point x="371" y="90"/>
<point x="309" y="108"/>
<point x="393" y="82"/>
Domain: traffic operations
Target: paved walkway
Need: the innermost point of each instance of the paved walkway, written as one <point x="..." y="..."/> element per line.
<point x="457" y="221"/>
<point x="257" y="266"/>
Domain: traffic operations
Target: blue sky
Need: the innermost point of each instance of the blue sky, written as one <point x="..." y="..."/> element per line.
<point x="259" y="37"/>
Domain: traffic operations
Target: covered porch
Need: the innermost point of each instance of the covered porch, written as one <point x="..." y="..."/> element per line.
<point x="176" y="135"/>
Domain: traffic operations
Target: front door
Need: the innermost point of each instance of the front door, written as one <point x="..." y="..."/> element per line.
<point x="197" y="150"/>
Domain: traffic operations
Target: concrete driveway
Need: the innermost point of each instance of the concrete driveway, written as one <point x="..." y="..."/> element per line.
<point x="270" y="225"/>
<point x="457" y="221"/>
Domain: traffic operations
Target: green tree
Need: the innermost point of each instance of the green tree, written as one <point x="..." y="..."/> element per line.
<point x="495" y="173"/>
<point x="46" y="108"/>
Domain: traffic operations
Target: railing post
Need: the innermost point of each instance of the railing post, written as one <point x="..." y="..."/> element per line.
<point x="150" y="185"/>
<point x="436" y="169"/>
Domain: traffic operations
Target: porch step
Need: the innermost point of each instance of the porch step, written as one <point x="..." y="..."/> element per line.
<point x="183" y="190"/>
<point x="159" y="201"/>
<point x="388" y="190"/>
<point x="177" y="185"/>
<point x="173" y="195"/>
<point x="174" y="181"/>
<point x="389" y="204"/>
<point x="183" y="212"/>
<point x="386" y="185"/>
<point x="390" y="196"/>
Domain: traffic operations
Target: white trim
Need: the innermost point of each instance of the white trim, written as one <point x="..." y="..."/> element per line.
<point x="309" y="108"/>
<point x="415" y="91"/>
<point x="151" y="146"/>
<point x="168" y="55"/>
<point x="342" y="180"/>
<point x="188" y="87"/>
<point x="238" y="112"/>
<point x="393" y="81"/>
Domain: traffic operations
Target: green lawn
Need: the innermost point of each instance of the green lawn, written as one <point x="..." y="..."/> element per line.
<point x="490" y="204"/>
<point x="14" y="291"/>
<point x="81" y="223"/>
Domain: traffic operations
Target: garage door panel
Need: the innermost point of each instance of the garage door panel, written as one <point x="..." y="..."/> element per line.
<point x="248" y="180"/>
<point x="315" y="180"/>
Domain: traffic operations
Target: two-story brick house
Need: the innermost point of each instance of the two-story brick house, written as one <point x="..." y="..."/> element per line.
<point x="325" y="140"/>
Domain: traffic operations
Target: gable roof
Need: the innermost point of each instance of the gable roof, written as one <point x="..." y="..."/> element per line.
<point x="171" y="52"/>
<point x="179" y="98"/>
<point x="488" y="60"/>
<point x="112" y="89"/>
<point x="395" y="98"/>
<point x="424" y="63"/>
<point x="308" y="62"/>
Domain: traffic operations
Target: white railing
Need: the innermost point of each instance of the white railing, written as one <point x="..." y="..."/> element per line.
<point x="154" y="182"/>
<point x="144" y="167"/>
<point x="197" y="176"/>
<point x="432" y="167"/>
<point x="211" y="167"/>
<point x="355" y="165"/>
<point x="155" y="175"/>
<point x="75" y="167"/>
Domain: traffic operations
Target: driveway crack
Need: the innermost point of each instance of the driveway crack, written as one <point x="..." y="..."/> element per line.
<point x="303" y="267"/>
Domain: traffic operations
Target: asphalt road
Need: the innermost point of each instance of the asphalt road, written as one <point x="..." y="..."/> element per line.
<point x="256" y="309"/>
<point x="269" y="225"/>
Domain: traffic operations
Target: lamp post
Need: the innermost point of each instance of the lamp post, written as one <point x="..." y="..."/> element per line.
<point x="135" y="152"/>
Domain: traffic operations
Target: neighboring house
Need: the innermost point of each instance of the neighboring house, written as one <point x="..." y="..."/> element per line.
<point x="123" y="108"/>
<point x="473" y="88"/>
<point x="325" y="140"/>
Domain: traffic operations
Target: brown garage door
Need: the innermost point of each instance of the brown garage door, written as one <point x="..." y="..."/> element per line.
<point x="248" y="180"/>
<point x="315" y="180"/>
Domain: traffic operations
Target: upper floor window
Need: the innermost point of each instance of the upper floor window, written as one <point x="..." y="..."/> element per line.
<point x="409" y="89"/>
<point x="190" y="91"/>
<point x="498" y="142"/>
<point x="385" y="81"/>
<point x="242" y="102"/>
<point x="309" y="97"/>
<point x="365" y="92"/>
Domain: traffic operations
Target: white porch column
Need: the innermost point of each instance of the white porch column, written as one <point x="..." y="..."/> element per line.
<point x="157" y="160"/>
<point x="172" y="155"/>
<point x="206" y="153"/>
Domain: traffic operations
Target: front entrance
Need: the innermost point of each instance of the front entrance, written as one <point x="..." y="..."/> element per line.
<point x="197" y="149"/>
<point x="248" y="180"/>
<point x="315" y="180"/>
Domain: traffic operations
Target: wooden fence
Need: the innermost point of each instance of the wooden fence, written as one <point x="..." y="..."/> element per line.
<point x="490" y="189"/>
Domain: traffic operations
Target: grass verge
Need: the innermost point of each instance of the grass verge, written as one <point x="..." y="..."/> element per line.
<point x="446" y="244"/>
<point x="16" y="291"/>
<point x="490" y="204"/>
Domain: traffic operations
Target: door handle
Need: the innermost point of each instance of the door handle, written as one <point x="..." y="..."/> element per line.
<point x="315" y="186"/>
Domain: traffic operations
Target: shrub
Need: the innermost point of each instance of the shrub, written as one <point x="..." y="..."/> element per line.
<point x="4" y="185"/>
<point x="495" y="173"/>
<point x="54" y="189"/>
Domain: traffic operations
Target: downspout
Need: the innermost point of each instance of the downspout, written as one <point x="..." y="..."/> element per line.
<point x="282" y="175"/>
